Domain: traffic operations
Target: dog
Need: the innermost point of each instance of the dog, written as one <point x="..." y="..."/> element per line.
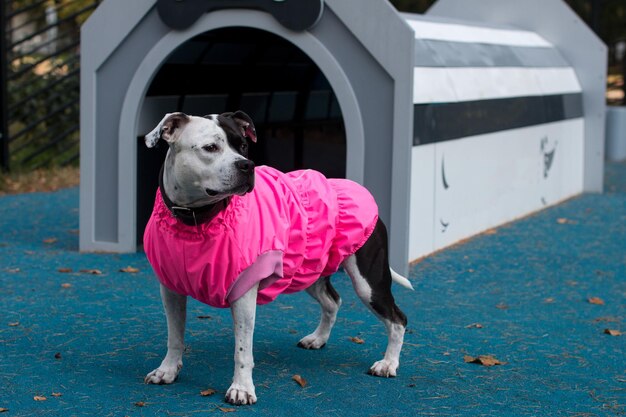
<point x="231" y="234"/>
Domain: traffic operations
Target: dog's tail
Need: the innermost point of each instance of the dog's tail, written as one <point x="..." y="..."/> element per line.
<point x="401" y="280"/>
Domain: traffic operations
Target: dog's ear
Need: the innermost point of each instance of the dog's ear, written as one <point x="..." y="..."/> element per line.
<point x="246" y="126"/>
<point x="166" y="129"/>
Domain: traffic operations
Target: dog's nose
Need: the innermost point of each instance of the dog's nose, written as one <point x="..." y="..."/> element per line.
<point x="245" y="165"/>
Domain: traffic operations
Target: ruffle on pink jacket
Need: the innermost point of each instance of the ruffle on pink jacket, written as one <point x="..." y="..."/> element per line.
<point x="287" y="232"/>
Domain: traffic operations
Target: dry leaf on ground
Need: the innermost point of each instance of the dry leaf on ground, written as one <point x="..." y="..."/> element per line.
<point x="474" y="326"/>
<point x="595" y="300"/>
<point x="57" y="394"/>
<point x="607" y="320"/>
<point x="50" y="240"/>
<point x="485" y="360"/>
<point x="207" y="392"/>
<point x="130" y="270"/>
<point x="612" y="332"/>
<point x="14" y="324"/>
<point x="3" y="410"/>
<point x="226" y="410"/>
<point x="301" y="381"/>
<point x="39" y="398"/>
<point x="66" y="285"/>
<point x="502" y="306"/>
<point x="64" y="270"/>
<point x="140" y="404"/>
<point x="91" y="271"/>
<point x="549" y="300"/>
<point x="563" y="220"/>
<point x="357" y="340"/>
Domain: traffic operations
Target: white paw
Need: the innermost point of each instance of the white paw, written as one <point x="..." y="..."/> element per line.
<point x="163" y="374"/>
<point x="240" y="394"/>
<point x="384" y="368"/>
<point x="312" y="341"/>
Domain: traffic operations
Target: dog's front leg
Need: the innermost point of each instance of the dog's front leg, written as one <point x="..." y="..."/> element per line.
<point x="243" y="310"/>
<point x="176" y="313"/>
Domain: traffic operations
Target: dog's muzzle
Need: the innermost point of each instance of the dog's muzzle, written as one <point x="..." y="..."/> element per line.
<point x="246" y="167"/>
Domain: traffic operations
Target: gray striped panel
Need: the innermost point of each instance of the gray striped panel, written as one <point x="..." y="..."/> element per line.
<point x="435" y="53"/>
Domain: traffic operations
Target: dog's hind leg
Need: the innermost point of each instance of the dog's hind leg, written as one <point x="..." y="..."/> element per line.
<point x="176" y="313"/>
<point x="369" y="270"/>
<point x="323" y="291"/>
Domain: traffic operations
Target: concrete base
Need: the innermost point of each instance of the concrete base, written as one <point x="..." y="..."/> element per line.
<point x="616" y="133"/>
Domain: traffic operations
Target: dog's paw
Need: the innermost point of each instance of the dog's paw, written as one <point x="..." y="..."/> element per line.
<point x="163" y="374"/>
<point x="312" y="341"/>
<point x="384" y="368"/>
<point x="239" y="394"/>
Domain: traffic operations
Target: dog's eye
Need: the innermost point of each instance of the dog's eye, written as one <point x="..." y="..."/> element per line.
<point x="210" y="148"/>
<point x="244" y="147"/>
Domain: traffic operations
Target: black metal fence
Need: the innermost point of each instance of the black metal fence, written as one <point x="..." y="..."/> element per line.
<point x="39" y="90"/>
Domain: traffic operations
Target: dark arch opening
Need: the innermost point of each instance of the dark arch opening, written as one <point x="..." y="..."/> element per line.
<point x="296" y="113"/>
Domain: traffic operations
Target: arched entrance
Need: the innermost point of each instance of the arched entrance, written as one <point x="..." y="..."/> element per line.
<point x="295" y="110"/>
<point x="140" y="113"/>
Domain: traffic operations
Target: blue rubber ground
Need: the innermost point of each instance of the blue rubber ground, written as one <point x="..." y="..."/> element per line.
<point x="528" y="286"/>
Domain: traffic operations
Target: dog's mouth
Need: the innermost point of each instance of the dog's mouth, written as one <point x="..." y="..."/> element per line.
<point x="238" y="190"/>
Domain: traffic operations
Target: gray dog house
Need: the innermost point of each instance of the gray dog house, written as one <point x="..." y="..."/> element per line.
<point x="362" y="92"/>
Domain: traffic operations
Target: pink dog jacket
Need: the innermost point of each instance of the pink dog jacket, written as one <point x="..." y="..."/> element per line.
<point x="287" y="232"/>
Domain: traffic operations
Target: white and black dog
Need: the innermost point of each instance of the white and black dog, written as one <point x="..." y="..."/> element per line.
<point x="205" y="179"/>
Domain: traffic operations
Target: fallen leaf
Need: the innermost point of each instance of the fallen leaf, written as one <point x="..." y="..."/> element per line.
<point x="549" y="300"/>
<point x="130" y="270"/>
<point x="357" y="340"/>
<point x="140" y="404"/>
<point x="596" y="300"/>
<point x="57" y="355"/>
<point x="13" y="270"/>
<point x="207" y="392"/>
<point x="606" y="320"/>
<point x="226" y="410"/>
<point x="474" y="326"/>
<point x="50" y="240"/>
<point x="57" y="394"/>
<point x="502" y="306"/>
<point x="39" y="398"/>
<point x="485" y="360"/>
<point x="612" y="332"/>
<point x="563" y="220"/>
<point x="91" y="271"/>
<point x="66" y="285"/>
<point x="3" y="410"/>
<point x="301" y="381"/>
<point x="14" y="324"/>
<point x="64" y="270"/>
